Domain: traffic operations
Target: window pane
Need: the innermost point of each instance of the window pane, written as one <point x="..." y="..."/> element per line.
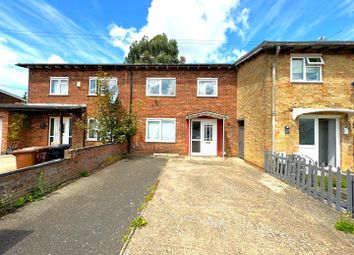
<point x="168" y="130"/>
<point x="55" y="87"/>
<point x="168" y="87"/>
<point x="196" y="146"/>
<point x="51" y="132"/>
<point x="63" y="87"/>
<point x="297" y="69"/>
<point x="207" y="88"/>
<point x="313" y="73"/>
<point x="93" y="86"/>
<point x="92" y="129"/>
<point x="307" y="131"/>
<point x="196" y="130"/>
<point x="153" y="132"/>
<point x="208" y="133"/>
<point x="153" y="87"/>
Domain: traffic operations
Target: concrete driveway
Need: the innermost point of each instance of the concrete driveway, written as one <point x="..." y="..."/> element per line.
<point x="208" y="206"/>
<point x="88" y="216"/>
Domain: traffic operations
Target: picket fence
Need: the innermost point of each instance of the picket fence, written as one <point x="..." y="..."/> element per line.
<point x="328" y="184"/>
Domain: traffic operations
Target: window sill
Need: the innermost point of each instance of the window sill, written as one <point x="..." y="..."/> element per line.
<point x="92" y="95"/>
<point x="207" y="96"/>
<point x="92" y="140"/>
<point x="160" y="141"/>
<point x="57" y="95"/>
<point x="307" y="82"/>
<point x="159" y="96"/>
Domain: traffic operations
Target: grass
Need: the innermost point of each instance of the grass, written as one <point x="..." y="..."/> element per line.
<point x="345" y="224"/>
<point x="138" y="222"/>
<point x="84" y="174"/>
<point x="334" y="182"/>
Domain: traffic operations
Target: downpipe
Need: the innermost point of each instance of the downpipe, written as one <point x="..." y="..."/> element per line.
<point x="274" y="66"/>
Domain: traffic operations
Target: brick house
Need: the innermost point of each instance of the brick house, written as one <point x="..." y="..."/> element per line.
<point x="171" y="102"/>
<point x="294" y="97"/>
<point x="311" y="112"/>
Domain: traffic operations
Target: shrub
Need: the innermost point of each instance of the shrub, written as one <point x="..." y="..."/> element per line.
<point x="84" y="174"/>
<point x="345" y="224"/>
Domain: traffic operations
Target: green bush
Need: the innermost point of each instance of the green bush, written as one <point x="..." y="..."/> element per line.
<point x="84" y="174"/>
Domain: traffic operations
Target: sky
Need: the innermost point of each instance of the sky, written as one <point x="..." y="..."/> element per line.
<point x="207" y="31"/>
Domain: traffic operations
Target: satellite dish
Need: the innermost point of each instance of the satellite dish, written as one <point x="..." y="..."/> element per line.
<point x="113" y="88"/>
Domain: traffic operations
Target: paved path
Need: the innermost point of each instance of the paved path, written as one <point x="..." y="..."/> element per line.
<point x="207" y="206"/>
<point x="88" y="216"/>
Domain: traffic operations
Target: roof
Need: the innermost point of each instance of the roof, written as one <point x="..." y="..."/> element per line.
<point x="207" y="114"/>
<point x="120" y="66"/>
<point x="300" y="46"/>
<point x="60" y="108"/>
<point x="299" y="111"/>
<point x="12" y="95"/>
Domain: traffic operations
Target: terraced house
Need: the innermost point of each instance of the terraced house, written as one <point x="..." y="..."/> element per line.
<point x="294" y="97"/>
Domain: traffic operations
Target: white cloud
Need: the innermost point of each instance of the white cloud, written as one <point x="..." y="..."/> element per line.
<point x="55" y="59"/>
<point x="200" y="27"/>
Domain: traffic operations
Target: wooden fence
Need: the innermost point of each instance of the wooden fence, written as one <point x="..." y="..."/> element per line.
<point x="330" y="185"/>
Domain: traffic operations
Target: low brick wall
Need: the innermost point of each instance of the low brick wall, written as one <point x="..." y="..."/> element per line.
<point x="20" y="182"/>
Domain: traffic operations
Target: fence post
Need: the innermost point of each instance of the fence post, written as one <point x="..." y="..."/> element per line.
<point x="349" y="192"/>
<point x="265" y="161"/>
<point x="322" y="184"/>
<point x="315" y="180"/>
<point x="330" y="186"/>
<point x="309" y="179"/>
<point x="286" y="168"/>
<point x="303" y="179"/>
<point x="338" y="189"/>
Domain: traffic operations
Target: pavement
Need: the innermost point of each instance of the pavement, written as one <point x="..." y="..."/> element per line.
<point x="88" y="216"/>
<point x="7" y="163"/>
<point x="210" y="206"/>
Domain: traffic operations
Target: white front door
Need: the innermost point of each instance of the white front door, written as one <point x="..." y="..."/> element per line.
<point x="0" y="134"/>
<point x="319" y="139"/>
<point x="54" y="130"/>
<point x="204" y="137"/>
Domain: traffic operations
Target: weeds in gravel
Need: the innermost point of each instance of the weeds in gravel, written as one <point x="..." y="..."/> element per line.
<point x="345" y="224"/>
<point x="85" y="174"/>
<point x="5" y="203"/>
<point x="149" y="196"/>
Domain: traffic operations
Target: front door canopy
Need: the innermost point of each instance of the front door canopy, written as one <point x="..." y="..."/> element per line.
<point x="299" y="111"/>
<point x="213" y="115"/>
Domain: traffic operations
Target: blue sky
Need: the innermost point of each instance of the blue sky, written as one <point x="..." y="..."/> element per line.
<point x="207" y="31"/>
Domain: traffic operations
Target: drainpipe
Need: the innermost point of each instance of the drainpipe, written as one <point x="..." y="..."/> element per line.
<point x="274" y="65"/>
<point x="130" y="103"/>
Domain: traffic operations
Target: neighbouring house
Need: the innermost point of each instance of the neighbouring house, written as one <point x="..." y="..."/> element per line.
<point x="294" y="97"/>
<point x="297" y="97"/>
<point x="6" y="98"/>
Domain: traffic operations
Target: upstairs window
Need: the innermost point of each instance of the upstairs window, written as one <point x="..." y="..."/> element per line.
<point x="306" y="68"/>
<point x="93" y="85"/>
<point x="207" y="87"/>
<point x="59" y="86"/>
<point x="160" y="86"/>
<point x="92" y="130"/>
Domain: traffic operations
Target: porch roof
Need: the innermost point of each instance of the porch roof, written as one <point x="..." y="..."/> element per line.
<point x="299" y="111"/>
<point x="207" y="114"/>
<point x="54" y="108"/>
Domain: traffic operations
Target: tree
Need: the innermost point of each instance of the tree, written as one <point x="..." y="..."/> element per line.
<point x="159" y="49"/>
<point x="19" y="122"/>
<point x="113" y="123"/>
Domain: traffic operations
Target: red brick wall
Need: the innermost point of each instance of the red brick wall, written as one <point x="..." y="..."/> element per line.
<point x="22" y="181"/>
<point x="185" y="102"/>
<point x="6" y="99"/>
<point x="4" y="116"/>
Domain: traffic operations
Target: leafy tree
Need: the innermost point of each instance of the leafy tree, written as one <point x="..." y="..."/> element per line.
<point x="159" y="49"/>
<point x="19" y="122"/>
<point x="114" y="124"/>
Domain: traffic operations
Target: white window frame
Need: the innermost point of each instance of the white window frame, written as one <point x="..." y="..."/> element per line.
<point x="59" y="79"/>
<point x="306" y="63"/>
<point x="160" y="86"/>
<point x="88" y="130"/>
<point x="96" y="78"/>
<point x="208" y="79"/>
<point x="159" y="140"/>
